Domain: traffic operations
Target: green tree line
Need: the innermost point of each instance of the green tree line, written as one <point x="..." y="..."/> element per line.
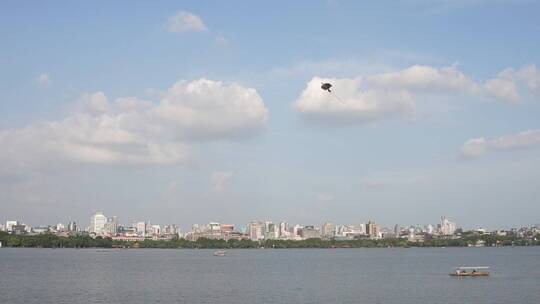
<point x="49" y="240"/>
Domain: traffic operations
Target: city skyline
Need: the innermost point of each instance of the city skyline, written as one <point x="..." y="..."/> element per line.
<point x="194" y="111"/>
<point x="86" y="225"/>
<point x="101" y="225"/>
<point x="111" y="232"/>
<point x="111" y="229"/>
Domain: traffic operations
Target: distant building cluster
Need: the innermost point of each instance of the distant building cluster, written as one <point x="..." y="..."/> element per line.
<point x="101" y="225"/>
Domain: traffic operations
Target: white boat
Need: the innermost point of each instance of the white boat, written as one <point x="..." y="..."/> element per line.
<point x="470" y="271"/>
<point x="220" y="253"/>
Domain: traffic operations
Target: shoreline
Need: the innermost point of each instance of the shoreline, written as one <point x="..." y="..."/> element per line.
<point x="85" y="241"/>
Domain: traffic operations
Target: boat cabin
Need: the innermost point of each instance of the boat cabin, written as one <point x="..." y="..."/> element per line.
<point x="471" y="271"/>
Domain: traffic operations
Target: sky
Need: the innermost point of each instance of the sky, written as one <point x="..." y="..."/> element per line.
<point x="196" y="111"/>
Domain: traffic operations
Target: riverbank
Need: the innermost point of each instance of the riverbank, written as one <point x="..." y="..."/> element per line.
<point x="82" y="241"/>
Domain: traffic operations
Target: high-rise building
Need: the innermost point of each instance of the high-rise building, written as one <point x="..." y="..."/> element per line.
<point x="72" y="227"/>
<point x="60" y="227"/>
<point x="362" y="228"/>
<point x="226" y="228"/>
<point x="327" y="230"/>
<point x="397" y="230"/>
<point x="296" y="232"/>
<point x="271" y="231"/>
<point x="10" y="224"/>
<point x="98" y="222"/>
<point x="284" y="230"/>
<point x="141" y="228"/>
<point x="447" y="227"/>
<point x="350" y="231"/>
<point x="156" y="230"/>
<point x="310" y="232"/>
<point x="19" y="229"/>
<point x="372" y="229"/>
<point x="256" y="231"/>
<point x="215" y="228"/>
<point x="111" y="228"/>
<point x="429" y="229"/>
<point x="171" y="230"/>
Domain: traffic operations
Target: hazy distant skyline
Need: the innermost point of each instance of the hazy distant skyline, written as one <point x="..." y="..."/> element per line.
<point x="210" y="111"/>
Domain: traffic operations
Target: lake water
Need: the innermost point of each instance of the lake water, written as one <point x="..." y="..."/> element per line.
<point x="391" y="275"/>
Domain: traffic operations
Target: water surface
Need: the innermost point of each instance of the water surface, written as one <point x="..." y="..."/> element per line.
<point x="389" y="275"/>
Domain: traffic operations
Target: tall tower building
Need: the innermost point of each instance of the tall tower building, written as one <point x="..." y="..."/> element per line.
<point x="10" y="224"/>
<point x="256" y="231"/>
<point x="447" y="227"/>
<point x="141" y="228"/>
<point x="327" y="230"/>
<point x="397" y="230"/>
<point x="283" y="230"/>
<point x="98" y="222"/>
<point x="112" y="226"/>
<point x="372" y="229"/>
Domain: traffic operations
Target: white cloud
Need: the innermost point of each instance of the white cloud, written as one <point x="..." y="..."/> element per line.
<point x="351" y="104"/>
<point x="530" y="75"/>
<point x="420" y="77"/>
<point x="474" y="147"/>
<point x="185" y="22"/>
<point x="480" y="146"/>
<point x="394" y="94"/>
<point x="133" y="131"/>
<point x="502" y="89"/>
<point x="210" y="109"/>
<point x="43" y="79"/>
<point x="93" y="104"/>
<point x="219" y="179"/>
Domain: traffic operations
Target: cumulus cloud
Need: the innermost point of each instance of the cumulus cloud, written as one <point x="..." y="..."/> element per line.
<point x="210" y="109"/>
<point x="420" y="77"/>
<point x="502" y="89"/>
<point x="93" y="104"/>
<point x="479" y="146"/>
<point x="474" y="147"/>
<point x="530" y="75"/>
<point x="353" y="104"/>
<point x="185" y="22"/>
<point x="43" y="80"/>
<point x="133" y="131"/>
<point x="394" y="94"/>
<point x="219" y="179"/>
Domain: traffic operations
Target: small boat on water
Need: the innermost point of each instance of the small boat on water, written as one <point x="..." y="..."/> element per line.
<point x="471" y="271"/>
<point x="220" y="253"/>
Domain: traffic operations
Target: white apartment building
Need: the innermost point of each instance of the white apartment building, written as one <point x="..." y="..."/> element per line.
<point x="98" y="222"/>
<point x="447" y="227"/>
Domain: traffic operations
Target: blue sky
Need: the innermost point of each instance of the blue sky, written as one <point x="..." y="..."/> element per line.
<point x="436" y="111"/>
